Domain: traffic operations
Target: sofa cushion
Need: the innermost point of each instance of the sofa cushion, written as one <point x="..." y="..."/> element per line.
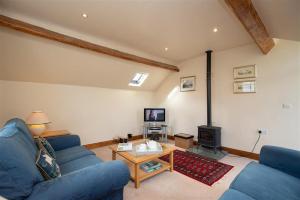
<point x="79" y="163"/>
<point x="232" y="194"/>
<point x="18" y="172"/>
<point x="64" y="142"/>
<point x="261" y="182"/>
<point x="47" y="165"/>
<point x="20" y="124"/>
<point x="72" y="153"/>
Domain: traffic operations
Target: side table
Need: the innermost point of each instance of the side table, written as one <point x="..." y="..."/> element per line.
<point x="53" y="133"/>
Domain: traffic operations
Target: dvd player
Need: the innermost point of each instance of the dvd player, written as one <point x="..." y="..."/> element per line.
<point x="155" y="128"/>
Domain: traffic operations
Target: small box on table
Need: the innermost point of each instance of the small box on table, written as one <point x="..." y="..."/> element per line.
<point x="183" y="140"/>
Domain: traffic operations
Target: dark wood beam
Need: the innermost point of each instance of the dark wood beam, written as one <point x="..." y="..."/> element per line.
<point x="45" y="33"/>
<point x="246" y="13"/>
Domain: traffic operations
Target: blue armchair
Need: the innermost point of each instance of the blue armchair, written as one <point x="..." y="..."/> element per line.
<point x="84" y="176"/>
<point x="276" y="177"/>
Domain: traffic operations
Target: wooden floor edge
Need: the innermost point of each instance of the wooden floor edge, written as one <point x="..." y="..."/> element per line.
<point x="241" y="153"/>
<point x="109" y="142"/>
<point x="237" y="152"/>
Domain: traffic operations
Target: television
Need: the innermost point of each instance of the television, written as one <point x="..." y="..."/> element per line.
<point x="154" y="115"/>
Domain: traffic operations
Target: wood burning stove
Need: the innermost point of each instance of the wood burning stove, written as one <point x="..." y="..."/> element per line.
<point x="208" y="135"/>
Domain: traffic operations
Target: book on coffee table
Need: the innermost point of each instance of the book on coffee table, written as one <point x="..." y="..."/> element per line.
<point x="150" y="166"/>
<point x="125" y="146"/>
<point x="151" y="147"/>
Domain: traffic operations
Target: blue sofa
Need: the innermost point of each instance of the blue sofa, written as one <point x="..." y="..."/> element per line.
<point x="275" y="177"/>
<point x="84" y="176"/>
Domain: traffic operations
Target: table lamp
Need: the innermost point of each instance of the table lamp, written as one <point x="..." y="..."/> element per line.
<point x="36" y="122"/>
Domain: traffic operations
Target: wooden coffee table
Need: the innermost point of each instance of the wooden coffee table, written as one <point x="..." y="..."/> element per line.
<point x="137" y="174"/>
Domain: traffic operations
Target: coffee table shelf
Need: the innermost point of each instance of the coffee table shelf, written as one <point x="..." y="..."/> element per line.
<point x="144" y="175"/>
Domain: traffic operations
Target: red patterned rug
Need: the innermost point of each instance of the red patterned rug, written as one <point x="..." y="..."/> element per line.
<point x="200" y="168"/>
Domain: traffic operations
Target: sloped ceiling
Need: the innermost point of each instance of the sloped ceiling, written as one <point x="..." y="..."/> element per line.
<point x="282" y="17"/>
<point x="29" y="58"/>
<point x="146" y="26"/>
<point x="184" y="26"/>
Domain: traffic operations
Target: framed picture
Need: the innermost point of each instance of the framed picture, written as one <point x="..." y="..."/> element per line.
<point x="244" y="87"/>
<point x="248" y="71"/>
<point x="187" y="83"/>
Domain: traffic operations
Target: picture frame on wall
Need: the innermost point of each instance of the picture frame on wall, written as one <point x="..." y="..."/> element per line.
<point x="187" y="83"/>
<point x="248" y="71"/>
<point x="240" y="87"/>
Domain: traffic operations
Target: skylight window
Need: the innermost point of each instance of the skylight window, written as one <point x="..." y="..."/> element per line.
<point x="138" y="79"/>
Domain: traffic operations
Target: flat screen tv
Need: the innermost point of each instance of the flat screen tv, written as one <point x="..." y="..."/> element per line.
<point x="154" y="115"/>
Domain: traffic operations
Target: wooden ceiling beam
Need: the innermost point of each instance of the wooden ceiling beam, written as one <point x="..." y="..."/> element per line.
<point x="45" y="33"/>
<point x="247" y="15"/>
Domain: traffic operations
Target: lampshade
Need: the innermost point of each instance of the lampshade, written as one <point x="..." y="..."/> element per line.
<point x="36" y="118"/>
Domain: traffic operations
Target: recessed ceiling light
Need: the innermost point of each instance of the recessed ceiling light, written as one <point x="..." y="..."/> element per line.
<point x="166" y="48"/>
<point x="84" y="15"/>
<point x="215" y="30"/>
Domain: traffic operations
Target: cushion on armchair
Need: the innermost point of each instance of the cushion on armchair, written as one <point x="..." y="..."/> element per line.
<point x="276" y="177"/>
<point x="289" y="161"/>
<point x="262" y="182"/>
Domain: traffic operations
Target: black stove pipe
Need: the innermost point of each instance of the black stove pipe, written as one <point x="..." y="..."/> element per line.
<point x="208" y="85"/>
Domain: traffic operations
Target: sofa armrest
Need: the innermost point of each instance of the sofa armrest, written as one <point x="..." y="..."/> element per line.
<point x="285" y="160"/>
<point x="90" y="183"/>
<point x="63" y="142"/>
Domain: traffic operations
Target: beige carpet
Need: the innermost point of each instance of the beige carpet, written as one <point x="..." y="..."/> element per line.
<point x="175" y="186"/>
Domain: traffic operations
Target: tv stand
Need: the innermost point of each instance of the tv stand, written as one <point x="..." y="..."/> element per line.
<point x="151" y="128"/>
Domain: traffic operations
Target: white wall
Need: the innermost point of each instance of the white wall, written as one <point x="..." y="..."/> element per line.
<point x="99" y="114"/>
<point x="96" y="114"/>
<point x="240" y="115"/>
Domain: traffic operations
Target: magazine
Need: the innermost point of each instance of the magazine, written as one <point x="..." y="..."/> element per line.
<point x="125" y="146"/>
<point x="150" y="166"/>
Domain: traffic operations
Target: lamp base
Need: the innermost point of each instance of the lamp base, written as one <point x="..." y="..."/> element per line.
<point x="37" y="129"/>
